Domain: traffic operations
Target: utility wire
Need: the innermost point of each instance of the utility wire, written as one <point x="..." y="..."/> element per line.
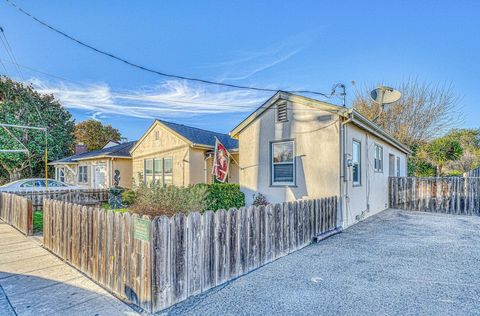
<point x="10" y="53"/>
<point x="145" y="68"/>
<point x="164" y="100"/>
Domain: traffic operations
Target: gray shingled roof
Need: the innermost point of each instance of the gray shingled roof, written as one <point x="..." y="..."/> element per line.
<point x="200" y="136"/>
<point x="121" y="150"/>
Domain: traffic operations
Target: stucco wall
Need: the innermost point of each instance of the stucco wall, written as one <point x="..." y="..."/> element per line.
<point x="126" y="174"/>
<point x="371" y="196"/>
<point x="317" y="151"/>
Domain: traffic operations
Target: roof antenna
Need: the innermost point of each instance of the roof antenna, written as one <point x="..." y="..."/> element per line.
<point x="343" y="94"/>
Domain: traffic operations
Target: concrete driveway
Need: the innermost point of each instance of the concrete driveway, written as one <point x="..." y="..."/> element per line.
<point x="394" y="263"/>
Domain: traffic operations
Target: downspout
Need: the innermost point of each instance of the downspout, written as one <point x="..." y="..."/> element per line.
<point x="343" y="171"/>
<point x="110" y="183"/>
<point x="205" y="169"/>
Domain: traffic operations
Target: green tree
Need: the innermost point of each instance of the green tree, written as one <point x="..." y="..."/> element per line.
<point x="418" y="164"/>
<point x="95" y="135"/>
<point x="22" y="105"/>
<point x="470" y="141"/>
<point x="443" y="150"/>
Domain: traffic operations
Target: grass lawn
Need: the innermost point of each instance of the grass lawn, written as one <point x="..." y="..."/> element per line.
<point x="106" y="207"/>
<point x="37" y="221"/>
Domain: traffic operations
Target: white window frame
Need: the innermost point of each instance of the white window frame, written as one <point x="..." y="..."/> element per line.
<point x="59" y="171"/>
<point x="359" y="163"/>
<point x="80" y="179"/>
<point x="154" y="174"/>
<point x="397" y="166"/>
<point x="272" y="164"/>
<point x="378" y="158"/>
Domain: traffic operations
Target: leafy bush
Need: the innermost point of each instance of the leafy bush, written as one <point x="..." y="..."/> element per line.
<point x="455" y="173"/>
<point x="223" y="196"/>
<point x="128" y="197"/>
<point x="259" y="200"/>
<point x="158" y="200"/>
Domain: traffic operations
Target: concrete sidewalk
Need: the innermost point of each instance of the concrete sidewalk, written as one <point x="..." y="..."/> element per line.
<point x="35" y="282"/>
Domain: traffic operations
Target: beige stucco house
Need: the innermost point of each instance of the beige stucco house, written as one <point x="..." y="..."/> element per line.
<point x="293" y="147"/>
<point x="96" y="169"/>
<point x="181" y="155"/>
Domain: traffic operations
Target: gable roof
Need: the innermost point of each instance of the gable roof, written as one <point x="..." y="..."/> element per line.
<point x="118" y="151"/>
<point x="196" y="137"/>
<point x="351" y="114"/>
<point x="282" y="95"/>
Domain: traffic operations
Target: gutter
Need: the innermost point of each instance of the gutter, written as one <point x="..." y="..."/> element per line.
<point x="366" y="124"/>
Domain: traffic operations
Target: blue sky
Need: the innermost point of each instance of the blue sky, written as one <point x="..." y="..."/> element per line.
<point x="288" y="45"/>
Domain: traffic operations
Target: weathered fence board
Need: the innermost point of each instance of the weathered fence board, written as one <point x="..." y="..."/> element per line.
<point x="17" y="211"/>
<point x="183" y="255"/>
<point x="195" y="252"/>
<point x="449" y="195"/>
<point x="101" y="245"/>
<point x="76" y="196"/>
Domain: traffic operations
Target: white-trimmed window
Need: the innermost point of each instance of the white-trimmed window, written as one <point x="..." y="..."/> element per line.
<point x="356" y="163"/>
<point x="159" y="170"/>
<point x="61" y="174"/>
<point x="378" y="160"/>
<point x="82" y="174"/>
<point x="398" y="166"/>
<point x="283" y="163"/>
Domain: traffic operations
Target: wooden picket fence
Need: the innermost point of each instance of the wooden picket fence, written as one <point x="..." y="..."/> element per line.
<point x="77" y="196"/>
<point x="451" y="195"/>
<point x="473" y="173"/>
<point x="17" y="211"/>
<point x="156" y="263"/>
<point x="102" y="245"/>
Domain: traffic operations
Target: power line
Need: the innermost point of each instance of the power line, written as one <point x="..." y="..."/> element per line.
<point x="138" y="66"/>
<point x="164" y="100"/>
<point x="10" y="53"/>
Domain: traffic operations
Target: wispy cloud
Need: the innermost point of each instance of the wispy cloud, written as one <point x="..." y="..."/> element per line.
<point x="170" y="99"/>
<point x="250" y="71"/>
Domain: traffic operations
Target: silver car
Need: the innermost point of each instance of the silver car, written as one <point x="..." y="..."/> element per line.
<point x="36" y="184"/>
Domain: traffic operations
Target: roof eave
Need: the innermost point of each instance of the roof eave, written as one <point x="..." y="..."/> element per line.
<point x="368" y="125"/>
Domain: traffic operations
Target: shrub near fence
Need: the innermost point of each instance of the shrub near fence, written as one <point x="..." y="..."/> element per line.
<point x="17" y="211"/>
<point x="158" y="263"/>
<point x="451" y="195"/>
<point x="78" y="196"/>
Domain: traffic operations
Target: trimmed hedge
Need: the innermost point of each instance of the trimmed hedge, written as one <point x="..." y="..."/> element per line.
<point x="224" y="196"/>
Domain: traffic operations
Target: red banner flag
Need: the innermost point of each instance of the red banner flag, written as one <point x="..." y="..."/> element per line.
<point x="221" y="162"/>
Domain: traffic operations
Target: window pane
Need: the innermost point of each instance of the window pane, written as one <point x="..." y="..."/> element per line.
<point x="283" y="173"/>
<point x="168" y="165"/>
<point x="282" y="152"/>
<point x="356" y="159"/>
<point x="158" y="167"/>
<point x="148" y="166"/>
<point x="168" y="179"/>
<point x="356" y="152"/>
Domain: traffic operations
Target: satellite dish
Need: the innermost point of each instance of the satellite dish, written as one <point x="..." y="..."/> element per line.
<point x="385" y="95"/>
